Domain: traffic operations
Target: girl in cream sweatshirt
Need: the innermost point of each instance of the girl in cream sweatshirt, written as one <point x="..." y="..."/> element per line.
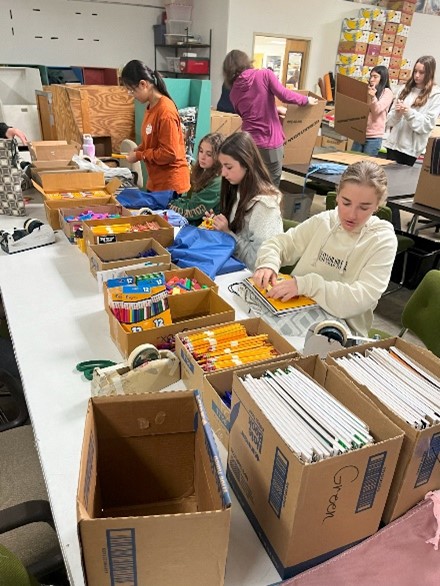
<point x="343" y="257"/>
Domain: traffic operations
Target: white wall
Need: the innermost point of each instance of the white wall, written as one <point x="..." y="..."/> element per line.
<point x="124" y="32"/>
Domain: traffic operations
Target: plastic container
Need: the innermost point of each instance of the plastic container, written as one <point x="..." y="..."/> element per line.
<point x="296" y="203"/>
<point x="88" y="146"/>
<point x="174" y="39"/>
<point x="173" y="64"/>
<point x="178" y="11"/>
<point x="179" y="27"/>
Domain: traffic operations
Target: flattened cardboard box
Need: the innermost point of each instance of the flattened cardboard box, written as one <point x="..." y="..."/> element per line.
<point x="215" y="386"/>
<point x="351" y="108"/>
<point x="307" y="513"/>
<point x="69" y="228"/>
<point x="164" y="235"/>
<point x="428" y="185"/>
<point x="103" y="257"/>
<point x="301" y="126"/>
<point x="194" y="310"/>
<point x="193" y="375"/>
<point x="152" y="501"/>
<point x="418" y="468"/>
<point x="81" y="181"/>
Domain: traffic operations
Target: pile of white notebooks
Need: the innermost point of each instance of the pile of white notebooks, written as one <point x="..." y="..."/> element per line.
<point x="310" y="420"/>
<point x="400" y="383"/>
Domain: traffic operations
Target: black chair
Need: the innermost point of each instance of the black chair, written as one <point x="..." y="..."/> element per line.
<point x="13" y="408"/>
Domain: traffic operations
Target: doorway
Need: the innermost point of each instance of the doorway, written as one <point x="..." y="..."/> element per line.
<point x="285" y="56"/>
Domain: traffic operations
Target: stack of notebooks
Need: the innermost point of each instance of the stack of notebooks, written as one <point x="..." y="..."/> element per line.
<point x="275" y="306"/>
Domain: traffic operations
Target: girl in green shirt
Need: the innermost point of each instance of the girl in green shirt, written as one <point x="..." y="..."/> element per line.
<point x="204" y="194"/>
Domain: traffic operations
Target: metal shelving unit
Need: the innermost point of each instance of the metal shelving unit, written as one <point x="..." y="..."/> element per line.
<point x="177" y="50"/>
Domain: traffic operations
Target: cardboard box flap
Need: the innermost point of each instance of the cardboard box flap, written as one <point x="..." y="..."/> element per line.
<point x="351" y="87"/>
<point x="351" y="107"/>
<point x="67" y="181"/>
<point x="53" y="150"/>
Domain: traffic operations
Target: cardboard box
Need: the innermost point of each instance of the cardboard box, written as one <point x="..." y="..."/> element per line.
<point x="215" y="385"/>
<point x="193" y="375"/>
<point x="307" y="513"/>
<point x="301" y="126"/>
<point x="225" y="123"/>
<point x="378" y="26"/>
<point x="400" y="41"/>
<point x="338" y="144"/>
<point x="373" y="50"/>
<point x="389" y="38"/>
<point x="188" y="273"/>
<point x="406" y="18"/>
<point x="391" y="28"/>
<point x="371" y="60"/>
<point x="164" y="235"/>
<point x="386" y="49"/>
<point x="393" y="73"/>
<point x="352" y="47"/>
<point x="199" y="309"/>
<point x="351" y="108"/>
<point x="51" y="154"/>
<point x="418" y="467"/>
<point x="69" y="228"/>
<point x="66" y="182"/>
<point x="428" y="185"/>
<point x="404" y="75"/>
<point x="103" y="257"/>
<point x="152" y="500"/>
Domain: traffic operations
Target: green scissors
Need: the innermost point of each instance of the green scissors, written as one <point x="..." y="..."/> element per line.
<point x="88" y="366"/>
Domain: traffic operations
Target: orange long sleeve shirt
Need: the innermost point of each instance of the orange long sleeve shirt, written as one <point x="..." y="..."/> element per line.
<point x="163" y="149"/>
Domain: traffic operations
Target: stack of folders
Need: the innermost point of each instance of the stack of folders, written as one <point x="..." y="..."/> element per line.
<point x="276" y="306"/>
<point x="310" y="420"/>
<point x="401" y="384"/>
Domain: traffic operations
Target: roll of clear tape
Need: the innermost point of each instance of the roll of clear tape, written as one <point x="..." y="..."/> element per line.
<point x="142" y="354"/>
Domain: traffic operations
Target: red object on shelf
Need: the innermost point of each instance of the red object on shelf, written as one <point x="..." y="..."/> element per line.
<point x="194" y="65"/>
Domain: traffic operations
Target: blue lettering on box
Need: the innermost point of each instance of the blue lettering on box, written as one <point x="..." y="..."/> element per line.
<point x="255" y="432"/>
<point x="278" y="482"/>
<point x="186" y="360"/>
<point x="371" y="482"/>
<point x="121" y="545"/>
<point x="220" y="415"/>
<point x="429" y="459"/>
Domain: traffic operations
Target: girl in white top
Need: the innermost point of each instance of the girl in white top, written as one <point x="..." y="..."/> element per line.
<point x="249" y="202"/>
<point x="343" y="257"/>
<point x="414" y="114"/>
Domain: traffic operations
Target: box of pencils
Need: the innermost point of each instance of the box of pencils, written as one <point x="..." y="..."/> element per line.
<point x="229" y="346"/>
<point x="403" y="380"/>
<point x="202" y="308"/>
<point x="311" y="460"/>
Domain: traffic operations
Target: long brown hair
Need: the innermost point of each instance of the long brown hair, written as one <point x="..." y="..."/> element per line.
<point x="429" y="63"/>
<point x="241" y="147"/>
<point x="200" y="178"/>
<point x="234" y="64"/>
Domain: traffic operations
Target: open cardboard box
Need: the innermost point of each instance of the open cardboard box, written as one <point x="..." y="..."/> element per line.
<point x="225" y="123"/>
<point x="307" y="513"/>
<point x="69" y="228"/>
<point x="188" y="273"/>
<point x="68" y="182"/>
<point x="51" y="154"/>
<point x="193" y="310"/>
<point x="301" y="126"/>
<point x="152" y="500"/>
<point x="193" y="375"/>
<point x="418" y="468"/>
<point x="164" y="235"/>
<point x="352" y="106"/>
<point x="103" y="257"/>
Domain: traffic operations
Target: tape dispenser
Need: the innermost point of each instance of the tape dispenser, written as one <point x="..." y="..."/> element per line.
<point x="33" y="235"/>
<point x="147" y="369"/>
<point x="330" y="335"/>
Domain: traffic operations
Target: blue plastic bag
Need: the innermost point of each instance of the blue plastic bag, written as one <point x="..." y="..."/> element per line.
<point x="136" y="199"/>
<point x="208" y="250"/>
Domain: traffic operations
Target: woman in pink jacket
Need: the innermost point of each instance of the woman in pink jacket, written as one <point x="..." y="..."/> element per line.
<point x="253" y="93"/>
<point x="381" y="99"/>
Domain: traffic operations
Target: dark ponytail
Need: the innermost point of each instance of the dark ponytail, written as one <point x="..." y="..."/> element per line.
<point x="135" y="71"/>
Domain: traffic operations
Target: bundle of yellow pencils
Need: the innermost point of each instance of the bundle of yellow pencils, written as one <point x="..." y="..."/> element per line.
<point x="227" y="346"/>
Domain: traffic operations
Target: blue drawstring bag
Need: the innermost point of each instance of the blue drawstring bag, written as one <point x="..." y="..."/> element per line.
<point x="208" y="250"/>
<point x="135" y="198"/>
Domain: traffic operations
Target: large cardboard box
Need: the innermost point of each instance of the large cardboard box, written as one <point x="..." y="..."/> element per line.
<point x="152" y="501"/>
<point x="428" y="185"/>
<point x="301" y="125"/>
<point x="70" y="182"/>
<point x="307" y="513"/>
<point x="193" y="375"/>
<point x="195" y="310"/>
<point x="103" y="257"/>
<point x="418" y="468"/>
<point x="215" y="387"/>
<point x="164" y="235"/>
<point x="351" y="108"/>
<point x="225" y="123"/>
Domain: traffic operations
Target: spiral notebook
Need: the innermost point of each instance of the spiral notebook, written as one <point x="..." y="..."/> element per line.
<point x="276" y="306"/>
